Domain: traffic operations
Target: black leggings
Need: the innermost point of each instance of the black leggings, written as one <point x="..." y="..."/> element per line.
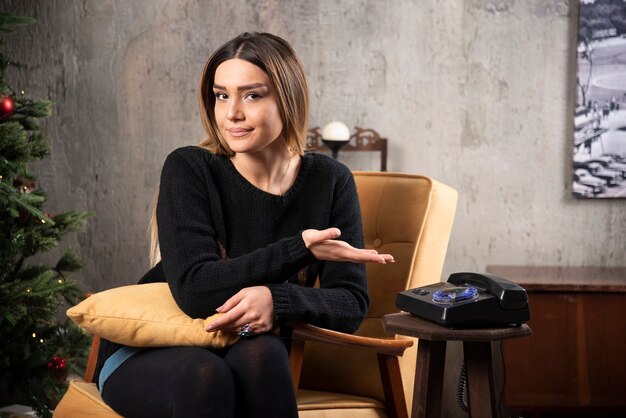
<point x="250" y="379"/>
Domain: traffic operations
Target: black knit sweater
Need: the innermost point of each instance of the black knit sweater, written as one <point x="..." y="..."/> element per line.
<point x="218" y="234"/>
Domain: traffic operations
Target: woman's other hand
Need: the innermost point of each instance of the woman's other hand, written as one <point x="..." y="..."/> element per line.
<point x="325" y="246"/>
<point x="252" y="305"/>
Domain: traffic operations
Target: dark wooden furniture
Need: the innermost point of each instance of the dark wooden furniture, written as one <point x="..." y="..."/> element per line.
<point x="575" y="360"/>
<point x="360" y="140"/>
<point x="431" y="354"/>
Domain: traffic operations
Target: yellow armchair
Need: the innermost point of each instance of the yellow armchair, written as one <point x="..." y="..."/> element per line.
<point x="367" y="374"/>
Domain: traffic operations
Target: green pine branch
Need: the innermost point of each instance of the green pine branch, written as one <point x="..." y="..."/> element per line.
<point x="9" y="19"/>
<point x="69" y="262"/>
<point x="14" y="147"/>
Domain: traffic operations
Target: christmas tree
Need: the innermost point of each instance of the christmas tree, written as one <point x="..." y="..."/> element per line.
<point x="37" y="348"/>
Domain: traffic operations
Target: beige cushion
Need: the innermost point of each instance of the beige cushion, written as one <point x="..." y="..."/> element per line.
<point x="321" y="404"/>
<point x="145" y="316"/>
<point x="83" y="400"/>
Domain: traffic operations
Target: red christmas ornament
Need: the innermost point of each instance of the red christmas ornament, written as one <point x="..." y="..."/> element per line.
<point x="6" y="107"/>
<point x="57" y="365"/>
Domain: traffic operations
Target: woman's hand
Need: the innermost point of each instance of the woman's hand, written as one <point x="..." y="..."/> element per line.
<point x="324" y="246"/>
<point x="253" y="306"/>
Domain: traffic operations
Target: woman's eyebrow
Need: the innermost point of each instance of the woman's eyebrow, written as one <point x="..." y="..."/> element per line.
<point x="242" y="88"/>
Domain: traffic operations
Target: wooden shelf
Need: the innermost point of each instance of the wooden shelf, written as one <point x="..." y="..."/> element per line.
<point x="361" y="140"/>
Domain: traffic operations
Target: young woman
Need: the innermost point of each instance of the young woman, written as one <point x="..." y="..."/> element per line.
<point x="247" y="222"/>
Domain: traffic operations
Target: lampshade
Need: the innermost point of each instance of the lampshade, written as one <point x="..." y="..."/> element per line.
<point x="336" y="131"/>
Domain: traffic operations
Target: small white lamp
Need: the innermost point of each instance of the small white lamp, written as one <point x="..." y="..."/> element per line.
<point x="335" y="135"/>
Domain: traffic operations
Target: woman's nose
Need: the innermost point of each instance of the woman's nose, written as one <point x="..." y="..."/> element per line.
<point x="234" y="111"/>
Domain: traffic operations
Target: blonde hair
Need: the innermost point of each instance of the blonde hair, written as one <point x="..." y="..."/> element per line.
<point x="279" y="61"/>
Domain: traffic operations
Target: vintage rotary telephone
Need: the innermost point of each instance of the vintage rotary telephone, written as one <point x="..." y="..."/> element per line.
<point x="468" y="300"/>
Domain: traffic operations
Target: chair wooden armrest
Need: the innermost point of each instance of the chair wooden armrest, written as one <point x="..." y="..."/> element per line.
<point x="387" y="351"/>
<point x="306" y="332"/>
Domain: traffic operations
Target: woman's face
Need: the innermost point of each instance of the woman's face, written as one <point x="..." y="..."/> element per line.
<point x="246" y="110"/>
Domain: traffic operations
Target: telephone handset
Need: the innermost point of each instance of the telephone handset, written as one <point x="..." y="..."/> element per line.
<point x="468" y="299"/>
<point x="510" y="295"/>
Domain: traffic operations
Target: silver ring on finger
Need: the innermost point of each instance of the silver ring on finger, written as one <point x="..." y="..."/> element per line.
<point x="245" y="330"/>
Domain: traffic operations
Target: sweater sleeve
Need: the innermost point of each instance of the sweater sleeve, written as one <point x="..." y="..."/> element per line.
<point x="199" y="279"/>
<point x="341" y="301"/>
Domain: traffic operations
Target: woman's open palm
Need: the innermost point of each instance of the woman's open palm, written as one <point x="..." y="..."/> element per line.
<point x="325" y="246"/>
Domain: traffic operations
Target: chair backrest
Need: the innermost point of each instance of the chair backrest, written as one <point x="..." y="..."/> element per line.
<point x="410" y="217"/>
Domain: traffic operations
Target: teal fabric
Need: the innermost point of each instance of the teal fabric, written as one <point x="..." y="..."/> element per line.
<point x="115" y="361"/>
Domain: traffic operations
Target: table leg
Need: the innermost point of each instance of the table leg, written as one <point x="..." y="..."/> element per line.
<point x="480" y="381"/>
<point x="431" y="357"/>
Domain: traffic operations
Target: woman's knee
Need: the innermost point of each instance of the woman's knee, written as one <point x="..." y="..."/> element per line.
<point x="207" y="374"/>
<point x="258" y="355"/>
<point x="263" y="345"/>
<point x="206" y="387"/>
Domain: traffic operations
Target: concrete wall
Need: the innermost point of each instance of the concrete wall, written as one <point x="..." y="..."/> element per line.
<point x="476" y="93"/>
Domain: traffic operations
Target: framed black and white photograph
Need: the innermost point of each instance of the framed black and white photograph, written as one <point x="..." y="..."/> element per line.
<point x="599" y="159"/>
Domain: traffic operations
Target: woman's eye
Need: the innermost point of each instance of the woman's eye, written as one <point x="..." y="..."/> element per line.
<point x="253" y="96"/>
<point x="221" y="96"/>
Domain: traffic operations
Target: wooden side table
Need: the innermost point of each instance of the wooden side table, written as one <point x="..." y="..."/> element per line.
<point x="431" y="355"/>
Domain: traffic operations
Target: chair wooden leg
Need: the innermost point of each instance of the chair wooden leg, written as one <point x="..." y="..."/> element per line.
<point x="296" y="356"/>
<point x="392" y="386"/>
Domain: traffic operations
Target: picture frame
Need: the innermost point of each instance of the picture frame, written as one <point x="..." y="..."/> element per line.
<point x="599" y="152"/>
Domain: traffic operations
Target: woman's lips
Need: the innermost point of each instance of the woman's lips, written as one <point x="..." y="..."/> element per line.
<point x="238" y="131"/>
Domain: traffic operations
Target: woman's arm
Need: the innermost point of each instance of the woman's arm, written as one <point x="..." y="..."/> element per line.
<point x="342" y="300"/>
<point x="253" y="306"/>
